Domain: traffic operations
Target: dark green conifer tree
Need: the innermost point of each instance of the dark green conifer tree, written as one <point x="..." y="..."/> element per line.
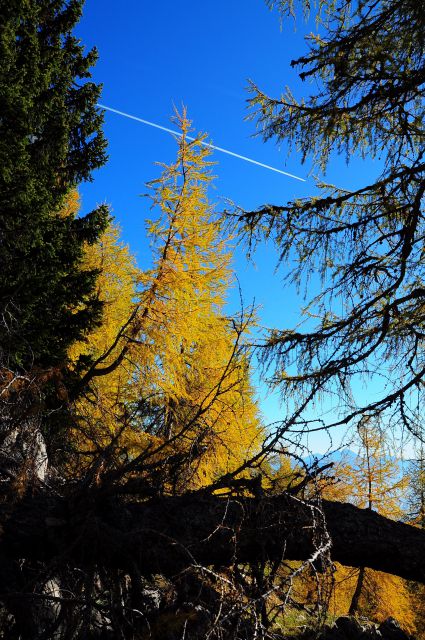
<point x="50" y="140"/>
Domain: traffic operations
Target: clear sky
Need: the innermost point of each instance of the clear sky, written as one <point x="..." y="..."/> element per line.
<point x="154" y="55"/>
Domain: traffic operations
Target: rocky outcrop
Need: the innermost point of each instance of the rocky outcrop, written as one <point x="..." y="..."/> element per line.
<point x="350" y="628"/>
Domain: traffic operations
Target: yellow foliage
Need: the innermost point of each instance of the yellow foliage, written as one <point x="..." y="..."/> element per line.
<point x="71" y="205"/>
<point x="186" y="359"/>
<point x="373" y="481"/>
<point x="279" y="473"/>
<point x="183" y="356"/>
<point x="383" y="595"/>
<point x="100" y="410"/>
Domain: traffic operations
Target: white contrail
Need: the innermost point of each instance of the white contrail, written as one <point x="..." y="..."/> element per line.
<point x="205" y="144"/>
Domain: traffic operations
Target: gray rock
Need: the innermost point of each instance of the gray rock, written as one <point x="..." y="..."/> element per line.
<point x="391" y="630"/>
<point x="349" y="628"/>
<point x="25" y="447"/>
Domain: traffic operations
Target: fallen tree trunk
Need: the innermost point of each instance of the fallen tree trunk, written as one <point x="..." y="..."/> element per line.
<point x="166" y="535"/>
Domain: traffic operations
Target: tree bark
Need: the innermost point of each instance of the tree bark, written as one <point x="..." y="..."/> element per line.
<point x="166" y="535"/>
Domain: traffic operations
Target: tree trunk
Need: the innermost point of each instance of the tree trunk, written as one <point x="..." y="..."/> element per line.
<point x="166" y="535"/>
<point x="354" y="605"/>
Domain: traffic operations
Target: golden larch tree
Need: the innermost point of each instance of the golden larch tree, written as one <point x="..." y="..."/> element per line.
<point x="167" y="372"/>
<point x="192" y="368"/>
<point x="101" y="409"/>
<point x="374" y="480"/>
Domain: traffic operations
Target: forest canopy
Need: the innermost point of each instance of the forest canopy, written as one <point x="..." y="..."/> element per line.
<point x="142" y="495"/>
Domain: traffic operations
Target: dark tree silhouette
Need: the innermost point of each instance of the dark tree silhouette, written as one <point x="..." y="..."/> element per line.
<point x="367" y="245"/>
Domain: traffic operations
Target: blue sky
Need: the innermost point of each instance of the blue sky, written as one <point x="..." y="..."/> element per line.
<point x="153" y="56"/>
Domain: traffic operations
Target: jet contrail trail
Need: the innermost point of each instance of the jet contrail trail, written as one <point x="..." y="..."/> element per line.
<point x="205" y="144"/>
